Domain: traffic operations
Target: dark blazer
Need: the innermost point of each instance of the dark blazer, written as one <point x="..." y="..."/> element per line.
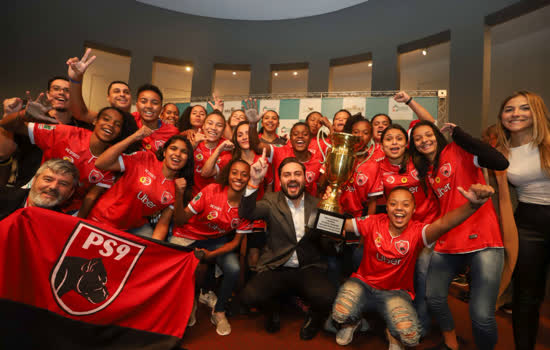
<point x="11" y="199"/>
<point x="281" y="235"/>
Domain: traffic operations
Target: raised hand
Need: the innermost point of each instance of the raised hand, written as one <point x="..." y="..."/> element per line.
<point x="401" y="97"/>
<point x="477" y="194"/>
<point x="77" y="67"/>
<point x="218" y="103"/>
<point x="12" y="105"/>
<point x="142" y="133"/>
<point x="259" y="169"/>
<point x="251" y="110"/>
<point x="226" y="146"/>
<point x="38" y="109"/>
<point x="180" y="184"/>
<point x="448" y="127"/>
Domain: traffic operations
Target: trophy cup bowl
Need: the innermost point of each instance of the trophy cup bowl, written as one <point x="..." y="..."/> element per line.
<point x="339" y="162"/>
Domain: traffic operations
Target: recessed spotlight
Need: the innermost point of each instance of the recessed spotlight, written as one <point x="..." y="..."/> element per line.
<point x="295" y="73"/>
<point x="424" y="52"/>
<point x="188" y="68"/>
<point x="370" y="64"/>
<point x="234" y="73"/>
<point x="276" y="74"/>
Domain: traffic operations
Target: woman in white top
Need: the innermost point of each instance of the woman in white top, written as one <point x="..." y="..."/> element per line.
<point x="524" y="137"/>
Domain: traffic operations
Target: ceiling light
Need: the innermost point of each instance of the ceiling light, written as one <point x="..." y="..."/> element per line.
<point x="424" y="52"/>
<point x="188" y="68"/>
<point x="234" y="73"/>
<point x="275" y="74"/>
<point x="295" y="73"/>
<point x="370" y="64"/>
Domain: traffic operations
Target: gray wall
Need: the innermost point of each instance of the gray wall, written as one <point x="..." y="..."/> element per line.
<point x="40" y="36"/>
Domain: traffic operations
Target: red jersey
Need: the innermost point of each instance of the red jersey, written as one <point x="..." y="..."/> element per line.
<point x="388" y="262"/>
<point x="202" y="153"/>
<point x="378" y="154"/>
<point x="365" y="183"/>
<point x="72" y="144"/>
<point x="140" y="192"/>
<point x="427" y="205"/>
<point x="313" y="167"/>
<point x="159" y="136"/>
<point x="479" y="231"/>
<point x="314" y="147"/>
<point x="214" y="217"/>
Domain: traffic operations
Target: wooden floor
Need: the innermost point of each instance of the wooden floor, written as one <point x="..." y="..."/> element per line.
<point x="248" y="332"/>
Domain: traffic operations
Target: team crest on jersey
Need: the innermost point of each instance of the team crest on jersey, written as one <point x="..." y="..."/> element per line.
<point x="446" y="169"/>
<point x="198" y="168"/>
<point x="46" y="126"/>
<point x="166" y="197"/>
<point x="159" y="144"/>
<point x="67" y="158"/>
<point x="148" y="146"/>
<point x="390" y="179"/>
<point x="235" y="223"/>
<point x="95" y="176"/>
<point x="404" y="180"/>
<point x="414" y="174"/>
<point x="146" y="180"/>
<point x="92" y="270"/>
<point x="310" y="175"/>
<point x="212" y="215"/>
<point x="199" y="156"/>
<point x="361" y="179"/>
<point x="402" y="247"/>
<point x="378" y="240"/>
<point x="437" y="179"/>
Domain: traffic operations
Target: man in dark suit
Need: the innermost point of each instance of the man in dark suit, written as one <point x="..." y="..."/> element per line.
<point x="54" y="183"/>
<point x="291" y="260"/>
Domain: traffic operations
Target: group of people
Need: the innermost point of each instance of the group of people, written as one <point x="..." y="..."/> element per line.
<point x="419" y="208"/>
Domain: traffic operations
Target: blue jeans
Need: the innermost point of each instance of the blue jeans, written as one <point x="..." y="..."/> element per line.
<point x="395" y="306"/>
<point x="486" y="268"/>
<point x="228" y="263"/>
<point x="420" y="277"/>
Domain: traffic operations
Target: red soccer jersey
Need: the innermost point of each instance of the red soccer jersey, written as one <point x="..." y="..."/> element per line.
<point x="313" y="167"/>
<point x="159" y="136"/>
<point x="214" y="217"/>
<point x="427" y="205"/>
<point x="479" y="231"/>
<point x="140" y="192"/>
<point x="378" y="154"/>
<point x="72" y="144"/>
<point x="388" y="262"/>
<point x="314" y="146"/>
<point x="365" y="183"/>
<point x="202" y="153"/>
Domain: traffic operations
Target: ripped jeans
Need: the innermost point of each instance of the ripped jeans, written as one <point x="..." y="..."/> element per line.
<point x="395" y="306"/>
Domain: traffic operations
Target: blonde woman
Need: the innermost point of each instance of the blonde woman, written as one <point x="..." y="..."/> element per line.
<point x="524" y="137"/>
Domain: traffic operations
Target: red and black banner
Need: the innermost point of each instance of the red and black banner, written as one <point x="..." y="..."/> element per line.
<point x="68" y="284"/>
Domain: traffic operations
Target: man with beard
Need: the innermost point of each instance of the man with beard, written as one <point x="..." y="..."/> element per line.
<point x="291" y="259"/>
<point x="55" y="182"/>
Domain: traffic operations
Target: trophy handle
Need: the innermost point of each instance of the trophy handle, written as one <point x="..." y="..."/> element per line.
<point x="321" y="135"/>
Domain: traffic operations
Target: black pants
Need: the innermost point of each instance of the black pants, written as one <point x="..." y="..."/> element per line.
<point x="533" y="222"/>
<point x="310" y="283"/>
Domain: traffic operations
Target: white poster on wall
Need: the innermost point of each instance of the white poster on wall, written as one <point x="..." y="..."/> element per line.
<point x="308" y="105"/>
<point x="355" y="105"/>
<point x="230" y="106"/>
<point x="204" y="104"/>
<point x="399" y="111"/>
<point x="266" y="105"/>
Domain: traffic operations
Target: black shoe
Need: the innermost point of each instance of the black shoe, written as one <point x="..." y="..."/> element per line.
<point x="272" y="323"/>
<point x="312" y="325"/>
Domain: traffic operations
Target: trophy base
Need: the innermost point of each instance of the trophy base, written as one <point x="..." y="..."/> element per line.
<point x="328" y="223"/>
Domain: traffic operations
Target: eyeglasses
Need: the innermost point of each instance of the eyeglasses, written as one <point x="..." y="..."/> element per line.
<point x="57" y="88"/>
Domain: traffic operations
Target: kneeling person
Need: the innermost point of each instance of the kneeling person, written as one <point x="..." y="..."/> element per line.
<point x="385" y="279"/>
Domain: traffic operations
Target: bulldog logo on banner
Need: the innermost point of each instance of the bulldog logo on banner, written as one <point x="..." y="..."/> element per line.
<point x="92" y="269"/>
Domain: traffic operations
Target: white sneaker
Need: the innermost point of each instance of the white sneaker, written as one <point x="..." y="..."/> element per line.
<point x="345" y="334"/>
<point x="222" y="324"/>
<point x="209" y="299"/>
<point x="193" y="317"/>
